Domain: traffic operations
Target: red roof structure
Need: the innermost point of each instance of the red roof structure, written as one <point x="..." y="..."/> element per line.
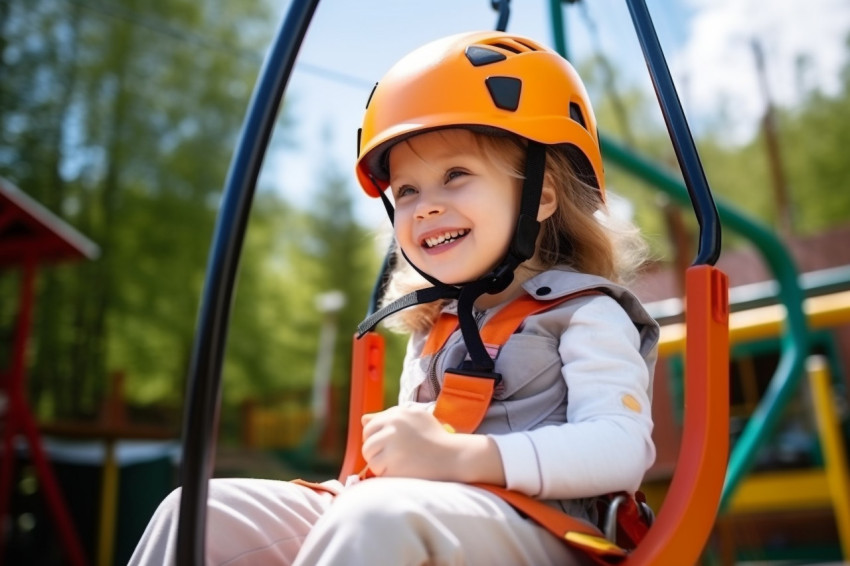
<point x="28" y="231"/>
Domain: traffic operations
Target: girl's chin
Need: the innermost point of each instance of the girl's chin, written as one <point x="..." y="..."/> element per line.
<point x="443" y="276"/>
<point x="445" y="279"/>
<point x="454" y="278"/>
<point x="450" y="272"/>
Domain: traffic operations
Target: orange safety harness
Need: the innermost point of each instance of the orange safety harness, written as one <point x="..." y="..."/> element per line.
<point x="461" y="406"/>
<point x="463" y="402"/>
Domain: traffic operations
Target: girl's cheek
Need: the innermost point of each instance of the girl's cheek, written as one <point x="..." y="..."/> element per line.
<point x="402" y="219"/>
<point x="400" y="232"/>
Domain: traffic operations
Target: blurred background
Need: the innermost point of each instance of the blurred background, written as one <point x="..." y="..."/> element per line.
<point x="118" y="119"/>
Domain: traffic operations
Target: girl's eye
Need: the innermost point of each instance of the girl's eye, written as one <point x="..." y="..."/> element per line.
<point x="452" y="174"/>
<point x="404" y="191"/>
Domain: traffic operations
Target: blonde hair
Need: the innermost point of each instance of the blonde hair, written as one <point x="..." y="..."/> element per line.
<point x="580" y="234"/>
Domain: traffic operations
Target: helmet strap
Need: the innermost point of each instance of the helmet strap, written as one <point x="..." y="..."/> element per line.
<point x="524" y="242"/>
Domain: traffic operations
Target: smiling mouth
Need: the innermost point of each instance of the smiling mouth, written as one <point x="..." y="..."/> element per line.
<point x="445" y="238"/>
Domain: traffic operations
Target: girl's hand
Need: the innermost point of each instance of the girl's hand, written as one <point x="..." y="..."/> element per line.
<point x="411" y="442"/>
<point x="407" y="442"/>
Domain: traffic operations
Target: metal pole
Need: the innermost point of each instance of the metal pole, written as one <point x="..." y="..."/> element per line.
<point x="683" y="142"/>
<point x="203" y="389"/>
<point x="559" y="36"/>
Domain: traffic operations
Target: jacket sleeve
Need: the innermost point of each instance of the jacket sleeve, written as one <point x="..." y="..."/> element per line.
<point x="606" y="444"/>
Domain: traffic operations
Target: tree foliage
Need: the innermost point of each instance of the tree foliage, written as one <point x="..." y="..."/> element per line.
<point x="130" y="144"/>
<point x="811" y="138"/>
<point x="816" y="136"/>
<point x="121" y="117"/>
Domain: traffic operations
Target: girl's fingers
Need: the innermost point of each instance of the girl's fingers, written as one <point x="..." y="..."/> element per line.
<point x="373" y="451"/>
<point x="372" y="425"/>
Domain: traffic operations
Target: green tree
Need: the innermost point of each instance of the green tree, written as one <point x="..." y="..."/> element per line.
<point x="816" y="136"/>
<point x="124" y="123"/>
<point x="811" y="137"/>
<point x="344" y="260"/>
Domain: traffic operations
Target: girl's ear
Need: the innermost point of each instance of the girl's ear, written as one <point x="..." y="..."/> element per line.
<point x="548" y="200"/>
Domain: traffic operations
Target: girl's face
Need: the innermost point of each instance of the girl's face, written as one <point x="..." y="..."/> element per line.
<point x="455" y="210"/>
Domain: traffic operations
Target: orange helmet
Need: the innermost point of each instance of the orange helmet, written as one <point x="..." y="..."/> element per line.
<point x="480" y="80"/>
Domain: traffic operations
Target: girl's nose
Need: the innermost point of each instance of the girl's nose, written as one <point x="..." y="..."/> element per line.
<point x="428" y="207"/>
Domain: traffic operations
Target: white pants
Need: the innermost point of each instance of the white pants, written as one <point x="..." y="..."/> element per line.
<point x="381" y="521"/>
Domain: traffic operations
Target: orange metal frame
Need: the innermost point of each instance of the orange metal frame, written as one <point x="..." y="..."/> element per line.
<point x="367" y="396"/>
<point x="686" y="518"/>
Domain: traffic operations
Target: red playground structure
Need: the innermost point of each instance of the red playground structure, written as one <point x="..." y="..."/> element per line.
<point x="31" y="236"/>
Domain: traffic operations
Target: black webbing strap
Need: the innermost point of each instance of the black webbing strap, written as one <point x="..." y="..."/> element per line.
<point x="419" y="297"/>
<point x="524" y="242"/>
<point x="480" y="360"/>
<point x="388" y="206"/>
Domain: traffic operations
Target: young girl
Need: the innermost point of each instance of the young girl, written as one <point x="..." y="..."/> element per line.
<point x="487" y="145"/>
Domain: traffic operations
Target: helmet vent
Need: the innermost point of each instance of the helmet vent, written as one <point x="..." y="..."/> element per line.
<point x="577" y="115"/>
<point x="529" y="46"/>
<point x="513" y="45"/>
<point x="506" y="47"/>
<point x="479" y="56"/>
<point x="504" y="91"/>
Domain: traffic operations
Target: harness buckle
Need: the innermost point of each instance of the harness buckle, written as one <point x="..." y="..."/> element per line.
<point x="464" y="369"/>
<point x="611" y="516"/>
<point x="642" y="513"/>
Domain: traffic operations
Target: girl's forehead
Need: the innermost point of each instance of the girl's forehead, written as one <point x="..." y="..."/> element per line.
<point x="436" y="145"/>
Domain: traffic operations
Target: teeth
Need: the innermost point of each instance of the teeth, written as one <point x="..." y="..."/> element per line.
<point x="443" y="238"/>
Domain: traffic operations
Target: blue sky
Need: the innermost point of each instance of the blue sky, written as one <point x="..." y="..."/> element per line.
<point x="350" y="44"/>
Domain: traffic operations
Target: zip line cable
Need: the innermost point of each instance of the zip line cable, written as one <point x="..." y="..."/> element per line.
<point x="609" y="80"/>
<point x="165" y="29"/>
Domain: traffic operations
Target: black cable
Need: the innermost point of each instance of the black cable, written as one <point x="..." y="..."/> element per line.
<point x="504" y="9"/>
<point x="165" y="29"/>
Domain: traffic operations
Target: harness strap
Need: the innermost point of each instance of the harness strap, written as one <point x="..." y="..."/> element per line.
<point x="504" y="323"/>
<point x="315" y="486"/>
<point x="465" y="395"/>
<point x="575" y="532"/>
<point x="463" y="402"/>
<point x="462" y="405"/>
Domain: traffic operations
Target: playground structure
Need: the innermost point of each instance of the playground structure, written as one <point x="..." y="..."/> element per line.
<point x="796" y="504"/>
<point x="30" y="237"/>
<point x="792" y="323"/>
<point x="808" y="482"/>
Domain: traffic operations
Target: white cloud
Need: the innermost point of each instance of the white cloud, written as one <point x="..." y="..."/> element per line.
<point x="717" y="63"/>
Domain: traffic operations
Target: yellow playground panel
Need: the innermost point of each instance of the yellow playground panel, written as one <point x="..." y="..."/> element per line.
<point x="798" y="491"/>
